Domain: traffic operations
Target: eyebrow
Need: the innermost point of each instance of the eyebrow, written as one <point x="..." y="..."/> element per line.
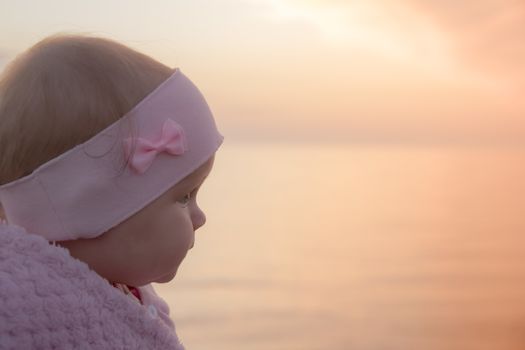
<point x="201" y="182"/>
<point x="190" y="185"/>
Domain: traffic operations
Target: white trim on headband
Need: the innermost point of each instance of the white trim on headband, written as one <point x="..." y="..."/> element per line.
<point x="100" y="183"/>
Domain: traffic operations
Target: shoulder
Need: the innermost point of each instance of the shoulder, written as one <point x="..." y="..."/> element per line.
<point x="29" y="260"/>
<point x="50" y="300"/>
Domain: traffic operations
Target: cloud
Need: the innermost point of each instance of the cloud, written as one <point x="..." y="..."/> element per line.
<point x="363" y="26"/>
<point x="481" y="41"/>
<point x="483" y="35"/>
<point x="355" y="92"/>
<point x="487" y="34"/>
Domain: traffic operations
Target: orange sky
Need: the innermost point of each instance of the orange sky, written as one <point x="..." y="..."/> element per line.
<point x="385" y="72"/>
<point x="352" y="71"/>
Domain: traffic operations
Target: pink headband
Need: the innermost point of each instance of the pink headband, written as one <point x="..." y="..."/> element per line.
<point x="86" y="191"/>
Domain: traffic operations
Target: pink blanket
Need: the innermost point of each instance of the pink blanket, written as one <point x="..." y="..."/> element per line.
<point x="49" y="300"/>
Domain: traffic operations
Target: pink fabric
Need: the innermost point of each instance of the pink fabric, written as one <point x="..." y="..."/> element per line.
<point x="87" y="190"/>
<point x="49" y="300"/>
<point x="171" y="141"/>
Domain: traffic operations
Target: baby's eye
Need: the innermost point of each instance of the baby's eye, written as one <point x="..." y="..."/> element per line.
<point x="185" y="200"/>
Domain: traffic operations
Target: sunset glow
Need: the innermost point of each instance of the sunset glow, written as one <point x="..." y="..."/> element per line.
<point x="369" y="26"/>
<point x="351" y="71"/>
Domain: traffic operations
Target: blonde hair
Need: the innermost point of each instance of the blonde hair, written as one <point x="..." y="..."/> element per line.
<point x="64" y="90"/>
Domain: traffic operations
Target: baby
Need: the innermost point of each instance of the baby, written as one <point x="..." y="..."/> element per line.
<point x="103" y="151"/>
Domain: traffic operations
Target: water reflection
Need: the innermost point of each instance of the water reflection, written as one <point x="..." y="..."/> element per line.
<point x="347" y="248"/>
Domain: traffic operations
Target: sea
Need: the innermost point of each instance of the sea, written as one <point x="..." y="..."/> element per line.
<point x="365" y="247"/>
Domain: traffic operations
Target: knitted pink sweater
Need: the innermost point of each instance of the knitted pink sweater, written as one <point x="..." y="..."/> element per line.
<point x="49" y="300"/>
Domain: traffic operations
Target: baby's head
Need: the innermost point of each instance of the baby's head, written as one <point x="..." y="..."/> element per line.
<point x="103" y="149"/>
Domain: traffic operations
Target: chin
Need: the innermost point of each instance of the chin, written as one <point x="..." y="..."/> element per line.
<point x="167" y="278"/>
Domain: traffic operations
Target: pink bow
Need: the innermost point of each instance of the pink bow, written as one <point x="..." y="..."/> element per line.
<point x="172" y="141"/>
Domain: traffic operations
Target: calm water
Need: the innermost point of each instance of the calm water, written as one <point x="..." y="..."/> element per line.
<point x="333" y="247"/>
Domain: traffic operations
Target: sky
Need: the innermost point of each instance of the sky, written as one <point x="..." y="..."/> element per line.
<point x="362" y="71"/>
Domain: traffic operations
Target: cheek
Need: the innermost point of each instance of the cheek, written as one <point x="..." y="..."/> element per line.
<point x="170" y="240"/>
<point x="155" y="246"/>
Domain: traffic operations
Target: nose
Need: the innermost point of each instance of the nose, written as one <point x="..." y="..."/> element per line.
<point x="198" y="218"/>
